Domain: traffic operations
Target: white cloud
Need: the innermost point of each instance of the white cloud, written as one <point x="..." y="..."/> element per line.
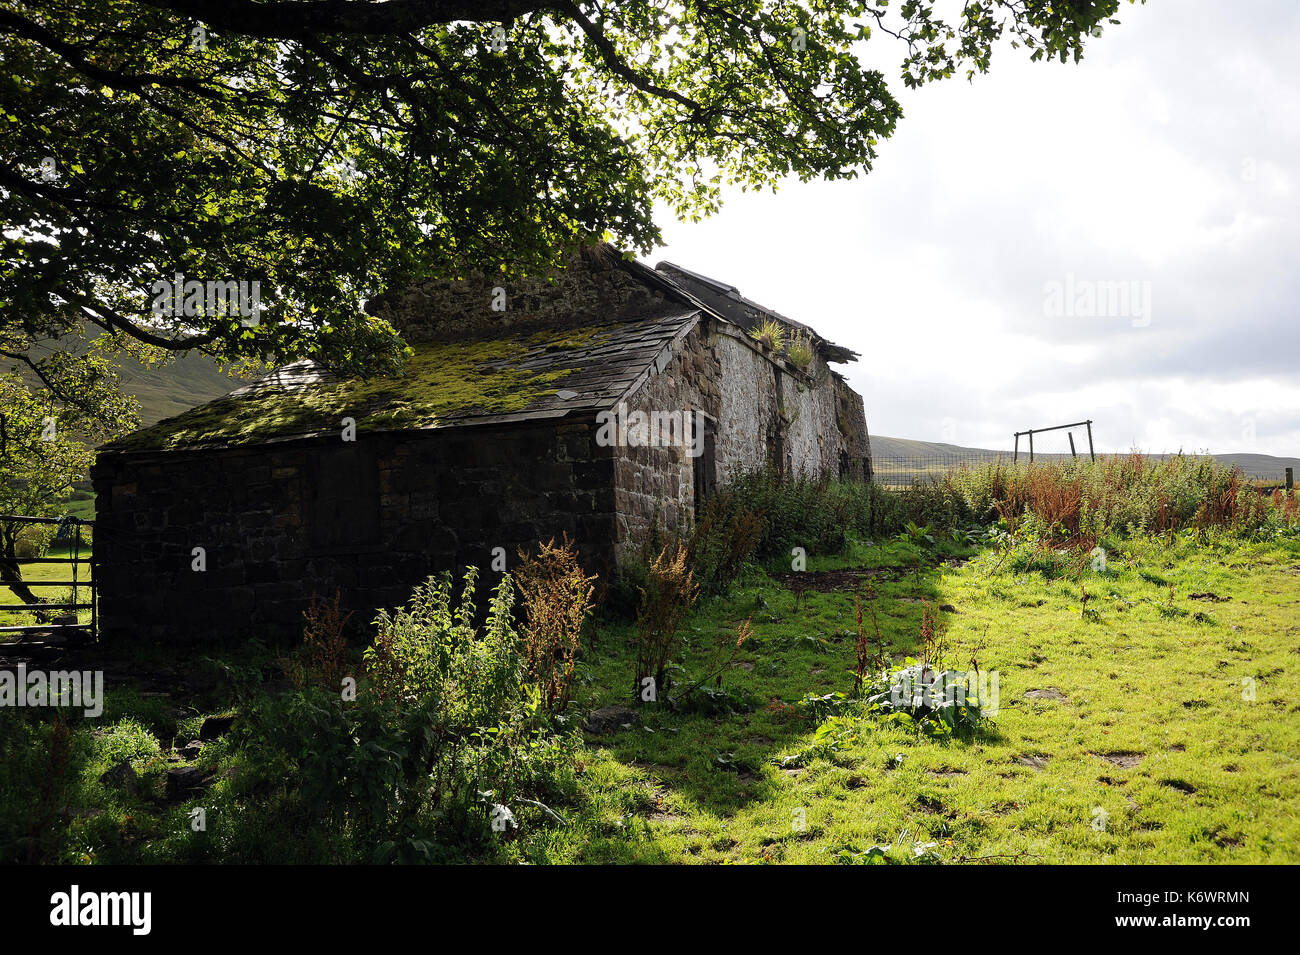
<point x="1167" y="156"/>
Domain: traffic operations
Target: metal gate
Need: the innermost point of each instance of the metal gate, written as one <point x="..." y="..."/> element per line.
<point x="64" y="617"/>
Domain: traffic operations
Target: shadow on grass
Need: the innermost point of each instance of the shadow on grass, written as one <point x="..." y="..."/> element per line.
<point x="722" y="751"/>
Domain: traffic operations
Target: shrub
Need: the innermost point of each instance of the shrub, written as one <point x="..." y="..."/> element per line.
<point x="447" y="736"/>
<point x="557" y="599"/>
<point x="323" y="660"/>
<point x="723" y="539"/>
<point x="34" y="541"/>
<point x="1286" y="507"/>
<point x="1081" y="500"/>
<point x="792" y="512"/>
<point x="762" y="516"/>
<point x="667" y="598"/>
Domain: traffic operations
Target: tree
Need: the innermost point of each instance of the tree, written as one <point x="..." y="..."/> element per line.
<point x="327" y="150"/>
<point x="46" y="438"/>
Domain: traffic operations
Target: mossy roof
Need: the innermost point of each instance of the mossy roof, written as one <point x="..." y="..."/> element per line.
<point x="527" y="375"/>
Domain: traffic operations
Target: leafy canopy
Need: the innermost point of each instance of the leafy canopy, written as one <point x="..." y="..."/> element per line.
<point x="45" y="442"/>
<point x="330" y="149"/>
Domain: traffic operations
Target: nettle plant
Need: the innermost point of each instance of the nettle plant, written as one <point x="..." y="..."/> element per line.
<point x="447" y="736"/>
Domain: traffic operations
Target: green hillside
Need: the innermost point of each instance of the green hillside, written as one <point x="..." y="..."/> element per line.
<point x="907" y="454"/>
<point x="166" y="391"/>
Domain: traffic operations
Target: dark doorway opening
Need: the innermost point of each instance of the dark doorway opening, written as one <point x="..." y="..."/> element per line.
<point x="706" y="462"/>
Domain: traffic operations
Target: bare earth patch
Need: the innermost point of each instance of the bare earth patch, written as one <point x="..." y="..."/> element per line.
<point x="833" y="581"/>
<point x="1124" y="759"/>
<point x="1046" y="693"/>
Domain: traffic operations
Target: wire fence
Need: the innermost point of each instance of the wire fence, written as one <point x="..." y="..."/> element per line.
<point x="905" y="470"/>
<point x="1270" y="477"/>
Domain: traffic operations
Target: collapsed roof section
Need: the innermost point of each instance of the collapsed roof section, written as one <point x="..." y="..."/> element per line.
<point x="726" y="301"/>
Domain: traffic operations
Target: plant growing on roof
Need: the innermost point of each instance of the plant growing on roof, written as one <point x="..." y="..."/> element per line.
<point x="799" y="351"/>
<point x="770" y="334"/>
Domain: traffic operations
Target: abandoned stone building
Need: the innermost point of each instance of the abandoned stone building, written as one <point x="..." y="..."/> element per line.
<point x="596" y="402"/>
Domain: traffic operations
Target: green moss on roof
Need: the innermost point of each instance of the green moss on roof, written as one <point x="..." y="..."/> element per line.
<point x="441" y="380"/>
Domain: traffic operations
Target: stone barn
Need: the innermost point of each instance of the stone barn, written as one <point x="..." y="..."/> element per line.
<point x="596" y="401"/>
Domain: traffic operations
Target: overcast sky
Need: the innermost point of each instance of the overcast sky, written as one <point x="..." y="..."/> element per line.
<point x="961" y="268"/>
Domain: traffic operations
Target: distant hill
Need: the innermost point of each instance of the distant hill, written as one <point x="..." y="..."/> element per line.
<point x="907" y="454"/>
<point x="166" y="391"/>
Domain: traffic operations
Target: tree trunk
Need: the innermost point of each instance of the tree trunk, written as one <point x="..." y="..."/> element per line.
<point x="11" y="574"/>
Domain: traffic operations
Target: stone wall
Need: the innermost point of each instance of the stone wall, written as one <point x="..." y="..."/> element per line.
<point x="762" y="412"/>
<point x="854" y="446"/>
<point x="773" y="413"/>
<point x="595" y="287"/>
<point x="654" y="480"/>
<point x="371" y="518"/>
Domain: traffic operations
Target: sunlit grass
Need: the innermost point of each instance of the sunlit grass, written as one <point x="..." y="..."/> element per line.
<point x="1127" y="731"/>
<point x="1123" y="734"/>
<point x="38" y="573"/>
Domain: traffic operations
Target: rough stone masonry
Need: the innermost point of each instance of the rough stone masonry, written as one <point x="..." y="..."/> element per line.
<point x="223" y="523"/>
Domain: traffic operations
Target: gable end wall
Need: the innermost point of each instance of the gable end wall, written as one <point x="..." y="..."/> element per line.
<point x="810" y="425"/>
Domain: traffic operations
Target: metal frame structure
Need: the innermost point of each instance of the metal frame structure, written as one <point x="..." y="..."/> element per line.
<point x="76" y="583"/>
<point x="1056" y="427"/>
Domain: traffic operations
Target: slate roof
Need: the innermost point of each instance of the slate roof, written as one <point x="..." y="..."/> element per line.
<point x="599" y="375"/>
<point x="527" y="375"/>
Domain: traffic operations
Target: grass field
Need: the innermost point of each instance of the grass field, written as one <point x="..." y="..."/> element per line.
<point x="37" y="573"/>
<point x="1155" y="721"/>
<point x="1123" y="735"/>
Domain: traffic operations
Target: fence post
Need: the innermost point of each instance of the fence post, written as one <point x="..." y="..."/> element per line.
<point x="1091" y="453"/>
<point x="1070" y="435"/>
<point x="76" y="553"/>
<point x="1290" y="482"/>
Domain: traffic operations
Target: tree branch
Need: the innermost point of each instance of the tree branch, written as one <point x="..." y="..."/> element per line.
<point x="109" y="320"/>
<point x="281" y="20"/>
<point x="609" y="53"/>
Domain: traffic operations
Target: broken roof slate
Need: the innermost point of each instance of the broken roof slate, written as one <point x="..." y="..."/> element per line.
<point x="726" y="300"/>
